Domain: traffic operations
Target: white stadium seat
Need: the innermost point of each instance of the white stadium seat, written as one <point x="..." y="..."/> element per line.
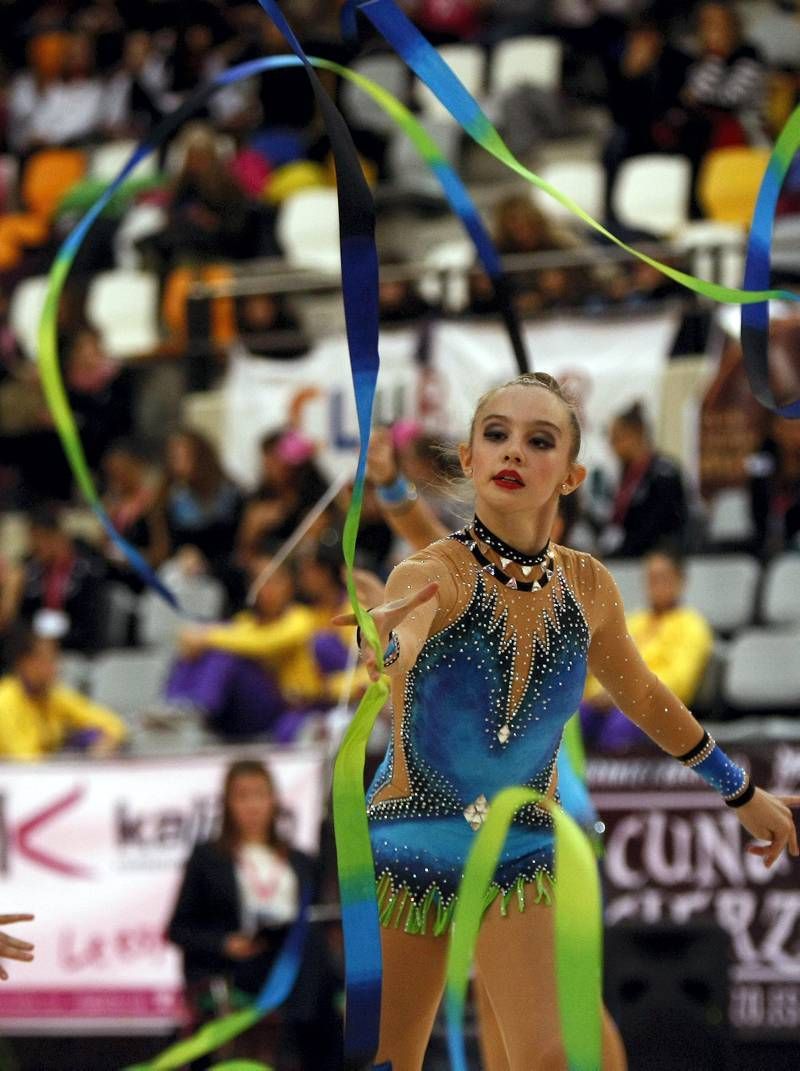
<point x="651" y="193"/>
<point x="526" y="61"/>
<point x="781" y="598"/>
<point x="763" y="671"/>
<point x="123" y="306"/>
<point x="106" y="161"/>
<point x="360" y="109"/>
<point x="582" y="180"/>
<point x="629" y="577"/>
<point x="129" y="681"/>
<point x="25" y="312"/>
<point x="308" y="229"/>
<point x="723" y="588"/>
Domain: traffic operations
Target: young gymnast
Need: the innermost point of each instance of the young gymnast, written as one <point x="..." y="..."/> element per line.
<point x="489" y="635"/>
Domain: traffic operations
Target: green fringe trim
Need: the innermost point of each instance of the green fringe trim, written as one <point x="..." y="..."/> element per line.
<point x="397" y="908"/>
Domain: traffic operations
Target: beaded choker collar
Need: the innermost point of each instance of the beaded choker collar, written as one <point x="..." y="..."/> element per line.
<point x="466" y="537"/>
<point x="505" y="550"/>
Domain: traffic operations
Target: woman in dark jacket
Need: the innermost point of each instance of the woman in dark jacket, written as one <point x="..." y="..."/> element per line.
<point x="650" y="505"/>
<point x="237" y="900"/>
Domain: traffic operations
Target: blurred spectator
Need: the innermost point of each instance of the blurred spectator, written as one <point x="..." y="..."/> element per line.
<point x="521" y="227"/>
<point x="290" y="484"/>
<point x="100" y="390"/>
<point x="644" y="96"/>
<point x="210" y="217"/>
<point x="134" y="93"/>
<point x="32" y="89"/>
<point x="39" y="716"/>
<point x="726" y="86"/>
<point x="774" y="473"/>
<point x="30" y="453"/>
<point x="447" y="21"/>
<point x="257" y="674"/>
<point x="649" y="504"/>
<point x="61" y="575"/>
<point x="399" y="299"/>
<point x="319" y="582"/>
<point x="515" y="18"/>
<point x="285" y="97"/>
<point x="105" y="23"/>
<point x="267" y="327"/>
<point x="61" y="100"/>
<point x="239" y="895"/>
<point x="203" y="505"/>
<point x="675" y="643"/>
<point x="130" y="500"/>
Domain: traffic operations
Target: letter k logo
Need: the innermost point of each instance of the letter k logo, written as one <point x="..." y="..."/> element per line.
<point x="26" y="831"/>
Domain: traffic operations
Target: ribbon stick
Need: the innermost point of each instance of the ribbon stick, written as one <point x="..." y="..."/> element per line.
<point x="302" y="530"/>
<point x="578" y="928"/>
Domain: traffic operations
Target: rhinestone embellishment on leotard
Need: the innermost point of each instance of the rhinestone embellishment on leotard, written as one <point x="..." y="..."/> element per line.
<point x="476" y="812"/>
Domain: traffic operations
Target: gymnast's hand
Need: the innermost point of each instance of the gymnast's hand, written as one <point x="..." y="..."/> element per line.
<point x="387" y="617"/>
<point x="12" y="947"/>
<point x="769" y="818"/>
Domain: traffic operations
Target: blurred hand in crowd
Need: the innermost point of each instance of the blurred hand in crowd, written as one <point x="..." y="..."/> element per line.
<point x="12" y="947"/>
<point x="240" y="946"/>
<point x="192" y="642"/>
<point x="381" y="461"/>
<point x="191" y="561"/>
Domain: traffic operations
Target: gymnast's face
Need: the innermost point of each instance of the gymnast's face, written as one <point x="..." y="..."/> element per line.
<point x="520" y="455"/>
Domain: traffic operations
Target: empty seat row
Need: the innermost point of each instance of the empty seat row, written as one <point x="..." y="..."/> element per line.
<point x="126" y="681"/>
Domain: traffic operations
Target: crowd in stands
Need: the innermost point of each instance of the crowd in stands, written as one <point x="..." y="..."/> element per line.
<point x="677" y="78"/>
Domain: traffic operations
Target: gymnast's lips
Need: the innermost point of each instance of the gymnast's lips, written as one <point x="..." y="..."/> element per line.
<point x="510" y="479"/>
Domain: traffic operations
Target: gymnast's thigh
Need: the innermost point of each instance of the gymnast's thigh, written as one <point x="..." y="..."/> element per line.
<point x="515" y="958"/>
<point x="413" y="981"/>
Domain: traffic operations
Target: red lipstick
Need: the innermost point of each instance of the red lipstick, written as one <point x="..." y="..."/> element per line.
<point x="509" y="479"/>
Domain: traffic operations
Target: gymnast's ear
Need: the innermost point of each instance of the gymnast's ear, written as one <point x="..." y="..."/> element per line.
<point x="465" y="457"/>
<point x="574" y="478"/>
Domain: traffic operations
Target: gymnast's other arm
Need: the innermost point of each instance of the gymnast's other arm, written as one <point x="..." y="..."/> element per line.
<point x="617" y="664"/>
<point x="405" y="619"/>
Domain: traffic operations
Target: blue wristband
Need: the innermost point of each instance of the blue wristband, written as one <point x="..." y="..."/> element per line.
<point x="392" y="652"/>
<point x="397" y="493"/>
<point x="719" y="772"/>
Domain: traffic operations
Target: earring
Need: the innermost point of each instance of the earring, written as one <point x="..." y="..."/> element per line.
<point x="564" y="489"/>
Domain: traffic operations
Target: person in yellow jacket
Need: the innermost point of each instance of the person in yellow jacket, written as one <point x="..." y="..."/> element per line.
<point x="258" y="673"/>
<point x="675" y="642"/>
<point x="39" y="716"/>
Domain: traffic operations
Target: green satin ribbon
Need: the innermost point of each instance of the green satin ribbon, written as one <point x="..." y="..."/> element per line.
<point x="578" y="928"/>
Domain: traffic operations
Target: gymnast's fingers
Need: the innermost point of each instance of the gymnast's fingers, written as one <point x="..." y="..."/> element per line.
<point x="7" y="942"/>
<point x="6" y="920"/>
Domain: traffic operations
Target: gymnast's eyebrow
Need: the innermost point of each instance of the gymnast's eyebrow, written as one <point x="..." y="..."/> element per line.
<point x="533" y="423"/>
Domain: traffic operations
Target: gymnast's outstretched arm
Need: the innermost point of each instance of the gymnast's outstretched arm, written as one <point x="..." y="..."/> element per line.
<point x="617" y="664"/>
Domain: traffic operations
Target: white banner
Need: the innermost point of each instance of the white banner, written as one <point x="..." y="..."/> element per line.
<point x="96" y="852"/>
<point x="608" y="364"/>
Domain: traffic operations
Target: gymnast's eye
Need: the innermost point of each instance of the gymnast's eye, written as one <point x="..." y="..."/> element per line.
<point x="542" y="442"/>
<point x="494" y="434"/>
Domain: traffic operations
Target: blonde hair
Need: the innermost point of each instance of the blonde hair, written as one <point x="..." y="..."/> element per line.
<point x="546" y="382"/>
